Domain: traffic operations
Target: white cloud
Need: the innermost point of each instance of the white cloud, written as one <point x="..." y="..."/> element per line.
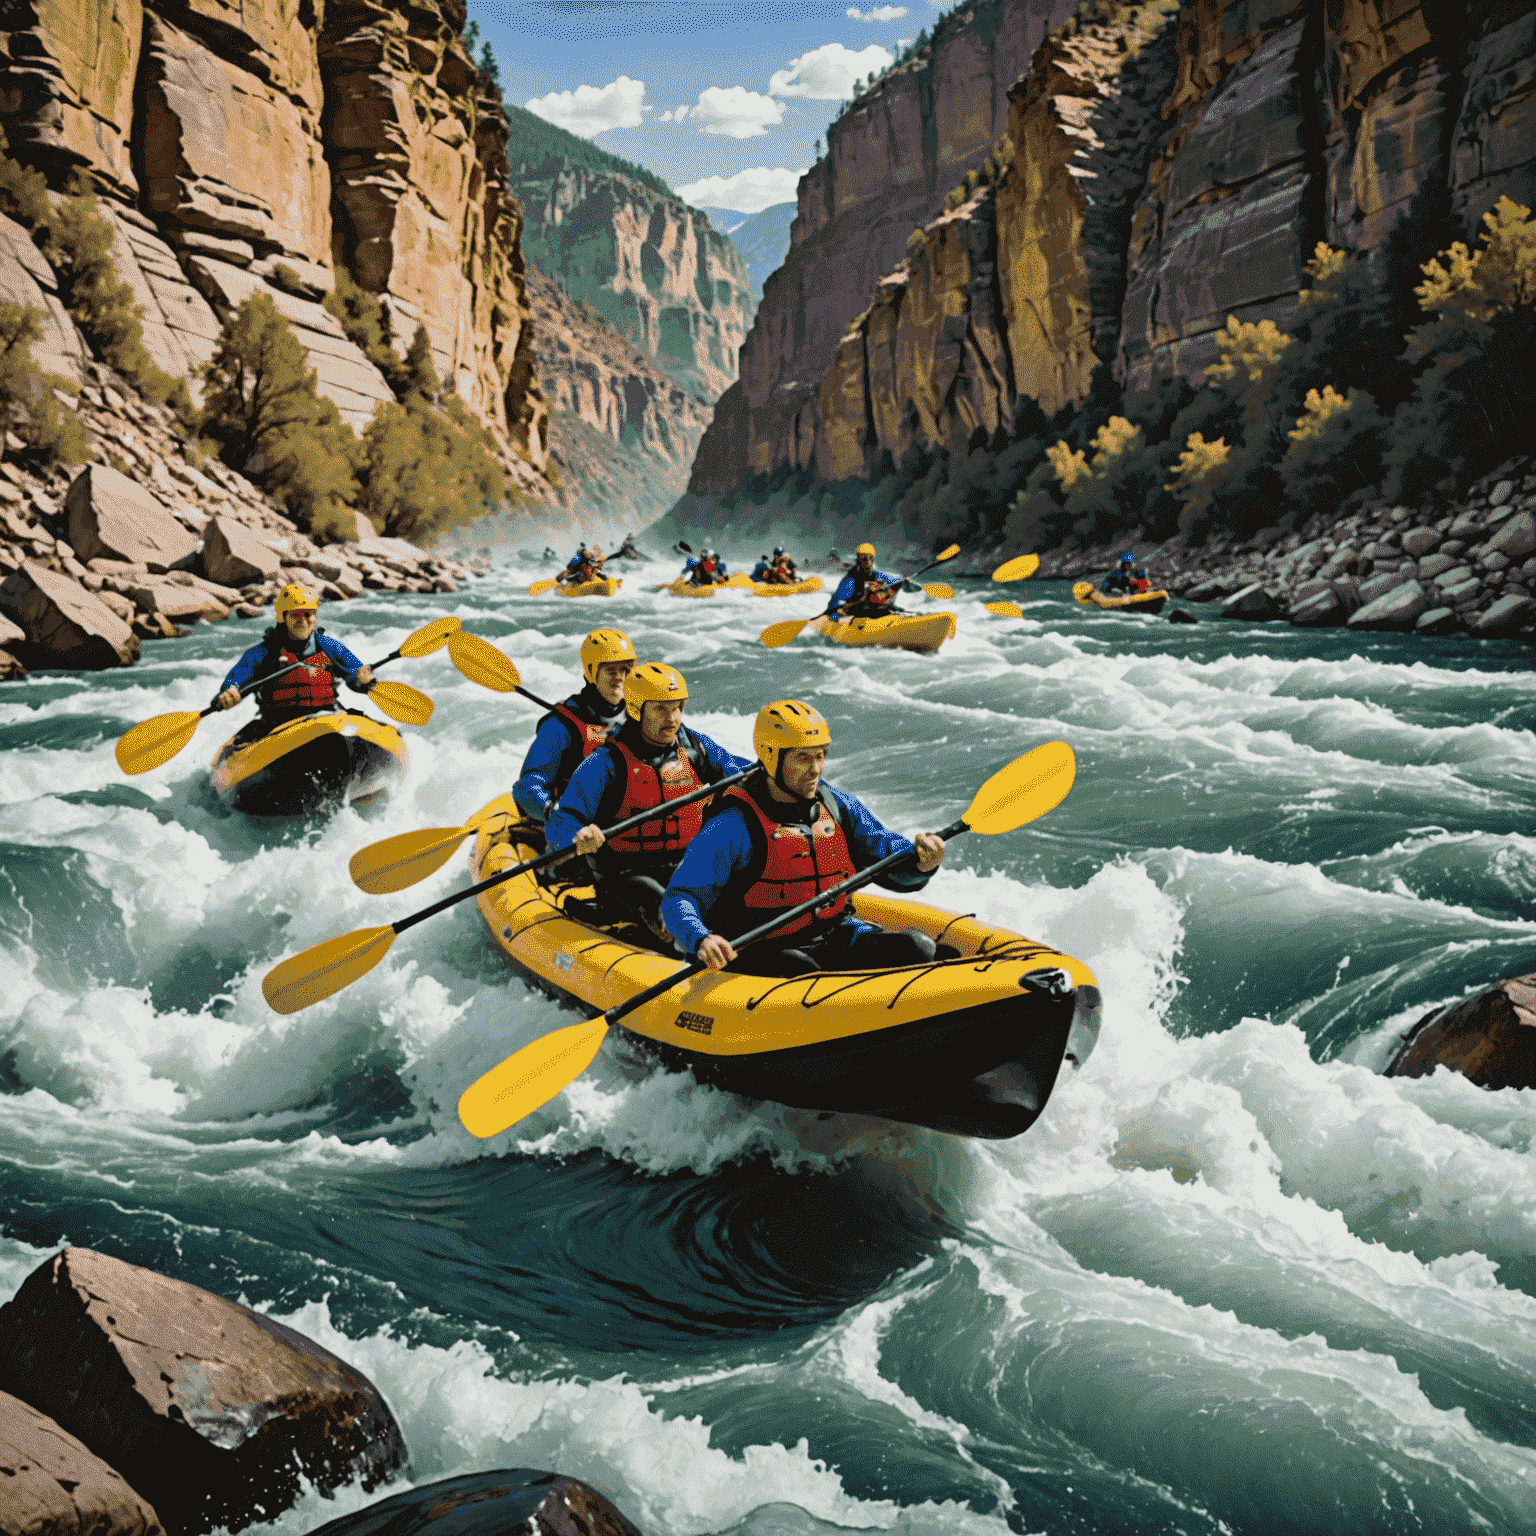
<point x="829" y="73"/>
<point x="674" y="115"/>
<point x="736" y="112"/>
<point x="747" y="191"/>
<point x="877" y="13"/>
<point x="593" y="109"/>
<point x="903" y="42"/>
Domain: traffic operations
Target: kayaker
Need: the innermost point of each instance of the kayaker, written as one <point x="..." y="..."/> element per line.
<point x="573" y="730"/>
<point x="763" y="570"/>
<point x="627" y="550"/>
<point x="1119" y="580"/>
<point x="586" y="565"/>
<point x="1140" y="582"/>
<point x="708" y="570"/>
<point x="782" y="570"/>
<point x="651" y="759"/>
<point x="779" y="839"/>
<point x="865" y="593"/>
<point x="295" y="637"/>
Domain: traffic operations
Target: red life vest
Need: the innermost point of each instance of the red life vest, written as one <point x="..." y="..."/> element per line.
<point x="647" y="788"/>
<point x="589" y="737"/>
<point x="312" y="686"/>
<point x="793" y="862"/>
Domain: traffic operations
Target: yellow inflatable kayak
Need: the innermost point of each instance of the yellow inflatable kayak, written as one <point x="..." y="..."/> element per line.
<point x="971" y="1045"/>
<point x="310" y="764"/>
<point x="682" y="587"/>
<point x="785" y="589"/>
<point x="896" y="631"/>
<point x="1140" y="602"/>
<point x="604" y="586"/>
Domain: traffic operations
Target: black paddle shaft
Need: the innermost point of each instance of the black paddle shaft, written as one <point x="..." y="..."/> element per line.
<point x="560" y="855"/>
<point x="764" y="930"/>
<point x="261" y="682"/>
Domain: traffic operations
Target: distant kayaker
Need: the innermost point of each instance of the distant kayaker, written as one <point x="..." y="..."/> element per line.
<point x="1141" y="582"/>
<point x="707" y="571"/>
<point x="1120" y="579"/>
<point x="627" y="550"/>
<point x="865" y="593"/>
<point x="305" y="691"/>
<point x="651" y="759"/>
<point x="572" y="731"/>
<point x="585" y="565"/>
<point x="763" y="570"/>
<point x="778" y="840"/>
<point x="781" y="570"/>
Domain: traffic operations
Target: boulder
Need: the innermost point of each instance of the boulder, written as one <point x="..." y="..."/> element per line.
<point x="1501" y="493"/>
<point x="114" y="517"/>
<point x="1208" y="591"/>
<point x="1506" y="616"/>
<point x="357" y="526"/>
<point x="53" y="1486"/>
<point x="520" y="1500"/>
<point x="72" y="627"/>
<point x="234" y="556"/>
<point x="1436" y="565"/>
<point x="1254" y="603"/>
<point x="217" y="1413"/>
<point x="1515" y="539"/>
<point x="11" y="670"/>
<point x="1399" y="609"/>
<point x="1378" y="586"/>
<point x="1320" y="610"/>
<point x="1437" y="621"/>
<point x="1490" y="1038"/>
<point x="1182" y="616"/>
<point x="164" y="597"/>
<point x="11" y="634"/>
<point x="1420" y="541"/>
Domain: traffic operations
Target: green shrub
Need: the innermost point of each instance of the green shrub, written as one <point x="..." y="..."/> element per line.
<point x="28" y="405"/>
<point x="1335" y="450"/>
<point x="284" y="277"/>
<point x="361" y="316"/>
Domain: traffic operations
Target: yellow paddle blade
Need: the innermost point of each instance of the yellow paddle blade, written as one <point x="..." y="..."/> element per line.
<point x="156" y="741"/>
<point x="1017" y="569"/>
<point x="1081" y="590"/>
<point x="539" y="588"/>
<point x="317" y="973"/>
<point x="940" y="591"/>
<point x="430" y="637"/>
<point x="482" y="663"/>
<point x="945" y="554"/>
<point x="410" y="706"/>
<point x="394" y="863"/>
<point x="529" y="1078"/>
<point x="781" y="634"/>
<point x="1022" y="792"/>
<point x="1005" y="610"/>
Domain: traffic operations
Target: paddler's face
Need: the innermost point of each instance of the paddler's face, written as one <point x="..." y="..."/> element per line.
<point x="300" y="623"/>
<point x="866" y="563"/>
<point x="801" y="771"/>
<point x="610" y="680"/>
<point x="660" y="721"/>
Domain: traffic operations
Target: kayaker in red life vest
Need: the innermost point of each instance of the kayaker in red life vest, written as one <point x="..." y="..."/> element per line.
<point x="707" y="571"/>
<point x="781" y="838"/>
<point x="1140" y="582"/>
<point x="304" y="692"/>
<point x="652" y="759"/>
<point x="585" y="565"/>
<point x="575" y="729"/>
<point x="865" y="593"/>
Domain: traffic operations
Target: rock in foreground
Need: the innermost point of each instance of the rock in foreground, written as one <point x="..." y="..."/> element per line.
<point x="1490" y="1038"/>
<point x="489" y="1504"/>
<point x="212" y="1411"/>
<point x="50" y="1483"/>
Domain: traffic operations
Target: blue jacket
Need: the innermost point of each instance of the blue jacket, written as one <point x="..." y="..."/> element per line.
<point x="259" y="660"/>
<point x="555" y="753"/>
<point x="762" y="570"/>
<point x="724" y="848"/>
<point x="599" y="784"/>
<point x="847" y="587"/>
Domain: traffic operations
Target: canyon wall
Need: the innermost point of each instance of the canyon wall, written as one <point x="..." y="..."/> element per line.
<point x="654" y="267"/>
<point x="227" y="140"/>
<point x="1170" y="168"/>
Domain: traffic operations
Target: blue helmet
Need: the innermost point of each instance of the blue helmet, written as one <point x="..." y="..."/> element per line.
<point x="1127" y="558"/>
<point x="778" y="549"/>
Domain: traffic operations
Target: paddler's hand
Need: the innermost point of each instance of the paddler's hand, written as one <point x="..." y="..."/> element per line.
<point x="364" y="679"/>
<point x="228" y="699"/>
<point x="930" y="851"/>
<point x="714" y="951"/>
<point x="590" y="839"/>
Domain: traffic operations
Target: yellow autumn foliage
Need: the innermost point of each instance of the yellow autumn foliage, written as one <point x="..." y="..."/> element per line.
<point x="1247" y="347"/>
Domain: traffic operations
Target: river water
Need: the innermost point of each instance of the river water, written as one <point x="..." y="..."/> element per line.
<point x="1233" y="1281"/>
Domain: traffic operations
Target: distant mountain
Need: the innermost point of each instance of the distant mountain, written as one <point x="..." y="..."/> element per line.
<point x="762" y="238"/>
<point x="723" y="219"/>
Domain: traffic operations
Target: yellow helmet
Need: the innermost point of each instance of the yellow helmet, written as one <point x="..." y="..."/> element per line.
<point x="603" y="646"/>
<point x="866" y="549"/>
<point x="783" y="726"/>
<point x="293" y="597"/>
<point x="653" y="680"/>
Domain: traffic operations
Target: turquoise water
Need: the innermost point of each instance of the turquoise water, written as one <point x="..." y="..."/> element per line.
<point x="1233" y="1281"/>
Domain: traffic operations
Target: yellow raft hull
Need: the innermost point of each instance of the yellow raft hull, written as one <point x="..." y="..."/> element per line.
<point x="924" y="632"/>
<point x="683" y="588"/>
<point x="970" y="1045"/>
<point x="604" y="586"/>
<point x="785" y="589"/>
<point x="310" y="764"/>
<point x="1142" y="602"/>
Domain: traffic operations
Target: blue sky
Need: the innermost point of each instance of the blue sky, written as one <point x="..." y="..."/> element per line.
<point x="757" y="84"/>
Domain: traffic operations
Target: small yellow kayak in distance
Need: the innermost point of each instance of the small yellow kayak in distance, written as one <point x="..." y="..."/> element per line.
<point x="315" y="763"/>
<point x="604" y="586"/>
<point x="923" y="632"/>
<point x="1140" y="602"/>
<point x="785" y="589"/>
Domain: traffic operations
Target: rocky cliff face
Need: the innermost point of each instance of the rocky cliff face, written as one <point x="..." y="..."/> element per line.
<point x="1167" y="173"/>
<point x="651" y="265"/>
<point x="229" y="139"/>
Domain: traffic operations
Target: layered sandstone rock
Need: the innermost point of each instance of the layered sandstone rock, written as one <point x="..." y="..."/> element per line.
<point x="64" y="621"/>
<point x="652" y="266"/>
<point x="1490" y="1038"/>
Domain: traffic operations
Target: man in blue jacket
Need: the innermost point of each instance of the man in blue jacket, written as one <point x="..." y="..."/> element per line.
<point x="573" y="730"/>
<point x="780" y="839"/>
<point x="651" y="760"/>
<point x="305" y="691"/>
<point x="865" y="593"/>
